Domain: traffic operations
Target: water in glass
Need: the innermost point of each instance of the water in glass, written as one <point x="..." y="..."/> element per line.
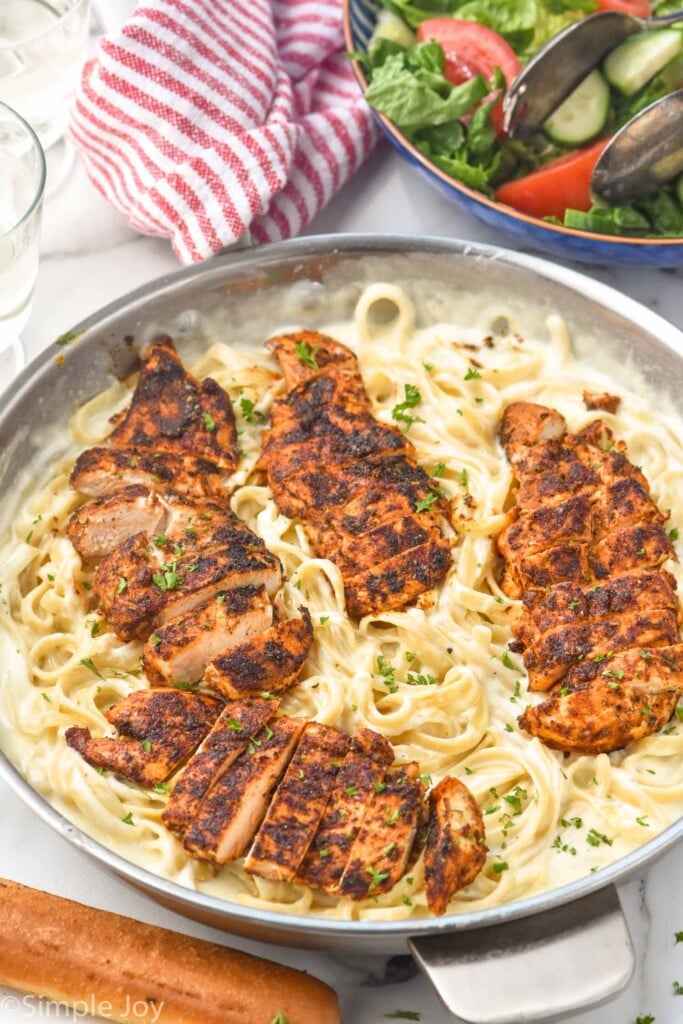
<point x="42" y="48"/>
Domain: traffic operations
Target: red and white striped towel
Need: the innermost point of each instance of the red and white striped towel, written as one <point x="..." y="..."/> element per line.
<point x="202" y="120"/>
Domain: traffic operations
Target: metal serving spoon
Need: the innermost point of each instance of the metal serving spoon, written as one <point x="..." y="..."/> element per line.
<point x="564" y="62"/>
<point x="645" y="154"/>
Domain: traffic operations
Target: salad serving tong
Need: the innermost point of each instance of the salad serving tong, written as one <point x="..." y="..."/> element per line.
<point x="648" y="151"/>
<point x="556" y="70"/>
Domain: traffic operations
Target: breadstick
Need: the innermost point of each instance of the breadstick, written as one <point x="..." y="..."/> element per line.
<point x="136" y="973"/>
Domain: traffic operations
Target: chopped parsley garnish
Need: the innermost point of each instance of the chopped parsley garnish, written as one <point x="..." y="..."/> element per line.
<point x="168" y="578"/>
<point x="472" y="374"/>
<point x="249" y="413"/>
<point x="613" y="673"/>
<point x="678" y="988"/>
<point x="673" y="534"/>
<point x="426" y="778"/>
<point x="161" y="788"/>
<point x="122" y="585"/>
<point x="647" y="1019"/>
<point x="46" y="697"/>
<point x="574" y="604"/>
<point x="576" y="822"/>
<point x="386" y="670"/>
<point x="563" y="847"/>
<point x="146" y="746"/>
<point x="391" y="819"/>
<point x="426" y="503"/>
<point x="305" y="353"/>
<point x="508" y="662"/>
<point x="595" y="838"/>
<point x="410" y="656"/>
<point x="128" y="820"/>
<point x="156" y="640"/>
<point x="412" y="399"/>
<point x="379" y="786"/>
<point x="464" y="477"/>
<point x="324" y="619"/>
<point x="420" y="679"/>
<point x="643" y="821"/>
<point x="514" y="799"/>
<point x="268" y="731"/>
<point x="65" y="338"/>
<point x="500" y="867"/>
<point x="376" y="877"/>
<point x="679" y="937"/>
<point x="267" y="695"/>
<point x="160" y="539"/>
<point x="234" y="725"/>
<point x="89" y="663"/>
<point x="209" y="422"/>
<point x="388" y="848"/>
<point x="279" y="1018"/>
<point x="95" y="628"/>
<point x="439" y="469"/>
<point x="351" y="790"/>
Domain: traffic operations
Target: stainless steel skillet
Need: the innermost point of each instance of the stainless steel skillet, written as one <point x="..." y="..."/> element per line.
<point x="541" y="957"/>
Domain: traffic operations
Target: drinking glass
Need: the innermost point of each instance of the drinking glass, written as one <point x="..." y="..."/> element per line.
<point x="22" y="183"/>
<point x="42" y="48"/>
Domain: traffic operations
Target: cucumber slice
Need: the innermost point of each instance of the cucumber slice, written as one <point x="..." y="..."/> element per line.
<point x="390" y="26"/>
<point x="583" y="115"/>
<point x="679" y="190"/>
<point x="640" y="57"/>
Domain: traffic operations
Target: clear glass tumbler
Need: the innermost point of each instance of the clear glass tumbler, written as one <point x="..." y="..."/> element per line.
<point x="43" y="45"/>
<point x="22" y="184"/>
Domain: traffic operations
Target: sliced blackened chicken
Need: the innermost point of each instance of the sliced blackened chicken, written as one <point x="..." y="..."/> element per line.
<point x="525" y="425"/>
<point x="158" y="730"/>
<point x="584" y="550"/>
<point x="398" y="581"/>
<point x="311" y="427"/>
<point x="345" y="475"/>
<point x="304" y="354"/>
<point x="181" y="650"/>
<point x="634" y="548"/>
<point x="608" y="704"/>
<point x="234" y="807"/>
<point x="142" y="586"/>
<point x="298" y="804"/>
<point x="381" y="850"/>
<point x="268" y="662"/>
<point x="100" y="526"/>
<point x="455" y="849"/>
<point x="178" y="434"/>
<point x="568" y="604"/>
<point x="102" y="471"/>
<point x="551" y="657"/>
<point x="238" y="722"/>
<point x="173" y="411"/>
<point x="360" y="777"/>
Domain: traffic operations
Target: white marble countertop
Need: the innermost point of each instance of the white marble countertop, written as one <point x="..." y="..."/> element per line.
<point x="91" y="257"/>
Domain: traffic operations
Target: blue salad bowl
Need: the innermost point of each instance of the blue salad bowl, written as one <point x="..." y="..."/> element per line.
<point x="528" y="232"/>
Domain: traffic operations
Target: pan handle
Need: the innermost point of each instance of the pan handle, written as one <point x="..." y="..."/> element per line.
<point x="536" y="968"/>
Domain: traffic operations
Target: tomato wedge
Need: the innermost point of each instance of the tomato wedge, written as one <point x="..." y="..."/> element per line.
<point x="562" y="184"/>
<point x="638" y="8"/>
<point x="472" y="49"/>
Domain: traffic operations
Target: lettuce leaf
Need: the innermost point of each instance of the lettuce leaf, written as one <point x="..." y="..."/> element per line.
<point x="413" y="94"/>
<point x="603" y="220"/>
<point x="514" y="20"/>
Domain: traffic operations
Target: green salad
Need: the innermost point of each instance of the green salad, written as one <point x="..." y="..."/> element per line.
<point x="438" y="70"/>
